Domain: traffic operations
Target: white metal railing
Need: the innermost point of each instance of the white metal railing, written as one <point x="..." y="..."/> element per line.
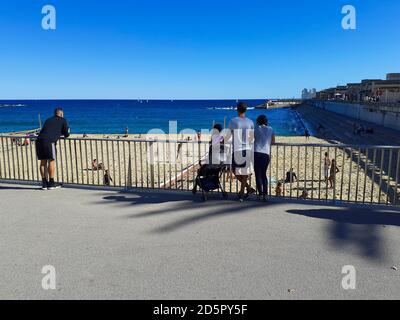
<point x="367" y="174"/>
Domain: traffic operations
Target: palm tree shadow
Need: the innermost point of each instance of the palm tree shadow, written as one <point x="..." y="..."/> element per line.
<point x="358" y="228"/>
<point x="197" y="210"/>
<point x="354" y="228"/>
<point x="213" y="212"/>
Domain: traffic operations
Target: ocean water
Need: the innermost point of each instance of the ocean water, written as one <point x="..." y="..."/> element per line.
<point x="113" y="116"/>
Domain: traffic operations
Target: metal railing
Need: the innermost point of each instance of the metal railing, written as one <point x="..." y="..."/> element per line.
<point x="367" y="174"/>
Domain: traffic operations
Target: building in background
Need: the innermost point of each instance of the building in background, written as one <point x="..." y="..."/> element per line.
<point x="393" y="76"/>
<point x="369" y="90"/>
<point x="309" y="94"/>
<point x="327" y="94"/>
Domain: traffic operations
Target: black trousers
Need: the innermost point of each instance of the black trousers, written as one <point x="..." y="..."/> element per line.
<point x="261" y="163"/>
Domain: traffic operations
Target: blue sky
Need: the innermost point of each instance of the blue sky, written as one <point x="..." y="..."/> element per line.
<point x="185" y="49"/>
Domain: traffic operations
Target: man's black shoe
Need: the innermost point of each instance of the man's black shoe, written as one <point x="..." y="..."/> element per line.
<point x="54" y="185"/>
<point x="45" y="185"/>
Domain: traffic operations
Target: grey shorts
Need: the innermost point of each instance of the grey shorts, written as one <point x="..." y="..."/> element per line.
<point x="45" y="150"/>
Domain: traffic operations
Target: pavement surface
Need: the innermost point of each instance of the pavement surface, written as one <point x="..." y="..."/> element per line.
<point x="154" y="245"/>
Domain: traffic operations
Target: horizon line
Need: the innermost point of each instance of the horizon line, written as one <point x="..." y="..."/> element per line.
<point x="144" y="99"/>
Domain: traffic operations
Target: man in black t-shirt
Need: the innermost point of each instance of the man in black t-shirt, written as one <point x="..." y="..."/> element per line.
<point x="53" y="129"/>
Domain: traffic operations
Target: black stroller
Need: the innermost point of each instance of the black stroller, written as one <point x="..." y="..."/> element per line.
<point x="209" y="179"/>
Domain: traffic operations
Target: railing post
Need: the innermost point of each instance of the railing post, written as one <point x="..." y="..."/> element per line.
<point x="129" y="178"/>
<point x="151" y="158"/>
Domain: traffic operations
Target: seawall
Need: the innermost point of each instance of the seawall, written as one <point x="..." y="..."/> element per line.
<point x="383" y="117"/>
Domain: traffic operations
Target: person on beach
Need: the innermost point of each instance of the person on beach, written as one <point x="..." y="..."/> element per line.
<point x="334" y="170"/>
<point x="53" y="129"/>
<point x="26" y="142"/>
<point x="304" y="194"/>
<point x="307" y="134"/>
<point x="327" y="165"/>
<point x="96" y="166"/>
<point x="126" y="135"/>
<point x="264" y="137"/>
<point x="107" y="178"/>
<point x="291" y="176"/>
<point x="279" y="189"/>
<point x="241" y="129"/>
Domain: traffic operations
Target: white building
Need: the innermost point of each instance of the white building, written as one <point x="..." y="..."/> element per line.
<point x="309" y="94"/>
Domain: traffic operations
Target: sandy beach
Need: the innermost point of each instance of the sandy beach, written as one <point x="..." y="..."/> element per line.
<point x="149" y="161"/>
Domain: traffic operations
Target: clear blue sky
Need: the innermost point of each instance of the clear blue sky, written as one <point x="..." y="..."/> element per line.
<point x="186" y="49"/>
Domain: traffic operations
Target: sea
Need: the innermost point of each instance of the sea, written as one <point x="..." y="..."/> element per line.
<point x="140" y="116"/>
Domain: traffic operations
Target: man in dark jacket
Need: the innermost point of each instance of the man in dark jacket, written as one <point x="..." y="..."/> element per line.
<point x="53" y="129"/>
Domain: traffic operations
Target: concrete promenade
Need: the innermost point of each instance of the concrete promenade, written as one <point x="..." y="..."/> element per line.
<point x="155" y="245"/>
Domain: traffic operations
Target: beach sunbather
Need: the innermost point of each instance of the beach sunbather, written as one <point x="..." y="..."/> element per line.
<point x="97" y="166"/>
<point x="304" y="194"/>
<point x="26" y="142"/>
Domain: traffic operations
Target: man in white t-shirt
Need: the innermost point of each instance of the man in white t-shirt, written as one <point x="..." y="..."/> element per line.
<point x="241" y="129"/>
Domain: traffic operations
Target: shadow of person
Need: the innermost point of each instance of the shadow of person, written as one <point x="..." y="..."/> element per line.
<point x="356" y="228"/>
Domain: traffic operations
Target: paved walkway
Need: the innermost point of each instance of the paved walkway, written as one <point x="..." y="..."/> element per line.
<point x="142" y="245"/>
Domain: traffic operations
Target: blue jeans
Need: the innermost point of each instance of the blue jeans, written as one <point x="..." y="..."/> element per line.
<point x="261" y="163"/>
